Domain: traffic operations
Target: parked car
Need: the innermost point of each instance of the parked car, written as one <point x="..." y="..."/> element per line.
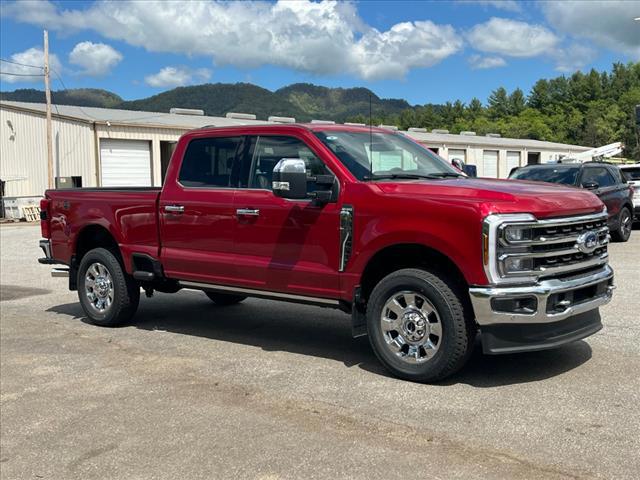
<point x="632" y="174"/>
<point x="603" y="179"/>
<point x="365" y="221"/>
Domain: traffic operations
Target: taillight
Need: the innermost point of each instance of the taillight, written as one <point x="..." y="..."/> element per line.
<point x="44" y="218"/>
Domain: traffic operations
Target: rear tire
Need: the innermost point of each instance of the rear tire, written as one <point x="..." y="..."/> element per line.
<point x="625" y="224"/>
<point x="108" y="295"/>
<point x="224" y="299"/>
<point x="418" y="326"/>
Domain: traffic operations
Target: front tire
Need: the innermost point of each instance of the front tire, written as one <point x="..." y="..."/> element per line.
<point x="418" y="327"/>
<point x="625" y="223"/>
<point x="108" y="295"/>
<point x="224" y="299"/>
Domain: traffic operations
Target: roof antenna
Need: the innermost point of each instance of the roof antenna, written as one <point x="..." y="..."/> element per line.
<point x="370" y="138"/>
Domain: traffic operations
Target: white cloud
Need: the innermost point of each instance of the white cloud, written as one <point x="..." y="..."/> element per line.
<point x="22" y="73"/>
<point x="478" y="62"/>
<point x="609" y="24"/>
<point x="177" y="77"/>
<point x="324" y="37"/>
<point x="573" y="57"/>
<point x="96" y="59"/>
<point x="512" y="38"/>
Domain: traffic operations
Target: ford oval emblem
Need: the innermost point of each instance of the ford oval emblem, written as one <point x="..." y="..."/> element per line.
<point x="587" y="242"/>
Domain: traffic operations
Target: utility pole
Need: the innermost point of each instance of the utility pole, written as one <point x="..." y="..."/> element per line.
<point x="47" y="92"/>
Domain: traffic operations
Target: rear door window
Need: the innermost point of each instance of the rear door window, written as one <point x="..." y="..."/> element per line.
<point x="220" y="162"/>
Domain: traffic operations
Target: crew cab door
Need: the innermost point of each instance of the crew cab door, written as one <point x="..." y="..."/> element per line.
<point x="285" y="245"/>
<point x="197" y="214"/>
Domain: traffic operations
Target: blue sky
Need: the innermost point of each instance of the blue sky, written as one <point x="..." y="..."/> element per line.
<point x="424" y="52"/>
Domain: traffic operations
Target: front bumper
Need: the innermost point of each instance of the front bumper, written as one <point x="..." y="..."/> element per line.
<point x="550" y="313"/>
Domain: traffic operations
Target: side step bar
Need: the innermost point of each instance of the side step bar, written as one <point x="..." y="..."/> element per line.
<point x="322" y="302"/>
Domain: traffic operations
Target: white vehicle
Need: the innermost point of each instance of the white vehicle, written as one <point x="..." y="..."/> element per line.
<point x="632" y="172"/>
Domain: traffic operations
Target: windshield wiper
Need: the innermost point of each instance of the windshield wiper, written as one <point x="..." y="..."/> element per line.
<point x="446" y="175"/>
<point x="411" y="176"/>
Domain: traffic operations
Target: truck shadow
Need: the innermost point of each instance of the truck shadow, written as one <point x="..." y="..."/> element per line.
<point x="325" y="333"/>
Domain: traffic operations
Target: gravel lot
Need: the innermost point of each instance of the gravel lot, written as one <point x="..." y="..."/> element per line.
<point x="269" y="390"/>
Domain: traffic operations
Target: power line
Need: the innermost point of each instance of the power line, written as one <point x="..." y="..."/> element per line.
<point x="22" y="74"/>
<point x="21" y="64"/>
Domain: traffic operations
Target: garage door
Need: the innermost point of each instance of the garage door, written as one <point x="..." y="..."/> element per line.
<point x="125" y="163"/>
<point x="490" y="163"/>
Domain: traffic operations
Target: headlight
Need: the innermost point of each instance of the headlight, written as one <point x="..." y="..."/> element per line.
<point x="503" y="234"/>
<point x="514" y="233"/>
<point x="516" y="264"/>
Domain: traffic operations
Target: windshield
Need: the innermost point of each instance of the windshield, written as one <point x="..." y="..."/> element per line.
<point x="563" y="175"/>
<point x="378" y="155"/>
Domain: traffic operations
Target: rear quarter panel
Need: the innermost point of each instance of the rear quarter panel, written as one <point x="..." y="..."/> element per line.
<point x="130" y="216"/>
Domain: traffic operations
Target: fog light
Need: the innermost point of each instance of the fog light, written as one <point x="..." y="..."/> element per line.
<point x="517" y="264"/>
<point x="522" y="305"/>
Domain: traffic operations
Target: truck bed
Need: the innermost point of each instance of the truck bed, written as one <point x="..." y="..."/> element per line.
<point x="130" y="215"/>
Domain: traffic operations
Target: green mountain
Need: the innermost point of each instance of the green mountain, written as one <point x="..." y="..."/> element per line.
<point x="592" y="108"/>
<point x="302" y="100"/>
<point x="84" y="97"/>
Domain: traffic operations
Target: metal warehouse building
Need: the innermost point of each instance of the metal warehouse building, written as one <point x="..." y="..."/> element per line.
<point x="108" y="147"/>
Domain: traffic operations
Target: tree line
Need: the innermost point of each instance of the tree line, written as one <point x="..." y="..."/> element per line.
<point x="591" y="109"/>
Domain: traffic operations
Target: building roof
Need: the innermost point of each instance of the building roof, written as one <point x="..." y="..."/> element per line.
<point x="130" y="117"/>
<point x="188" y="122"/>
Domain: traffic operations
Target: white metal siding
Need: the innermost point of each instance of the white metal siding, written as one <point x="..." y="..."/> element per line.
<point x="490" y="163"/>
<point x="23" y="152"/>
<point x="125" y="163"/>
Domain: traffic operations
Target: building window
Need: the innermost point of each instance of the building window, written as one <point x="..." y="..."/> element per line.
<point x="490" y="163"/>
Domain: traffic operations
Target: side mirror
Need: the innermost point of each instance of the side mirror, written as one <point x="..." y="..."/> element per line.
<point x="290" y="179"/>
<point x="470" y="170"/>
<point x="590" y="185"/>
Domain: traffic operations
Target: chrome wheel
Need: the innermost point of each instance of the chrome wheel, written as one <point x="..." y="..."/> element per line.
<point x="411" y="327"/>
<point x="625" y="224"/>
<point x="98" y="286"/>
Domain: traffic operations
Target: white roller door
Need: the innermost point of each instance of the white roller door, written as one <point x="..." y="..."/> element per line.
<point x="125" y="163"/>
<point x="513" y="161"/>
<point x="490" y="163"/>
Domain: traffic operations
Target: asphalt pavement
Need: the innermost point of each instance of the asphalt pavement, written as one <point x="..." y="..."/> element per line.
<point x="267" y="390"/>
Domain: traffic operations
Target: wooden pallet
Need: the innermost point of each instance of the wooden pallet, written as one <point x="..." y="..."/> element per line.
<point x="31" y="213"/>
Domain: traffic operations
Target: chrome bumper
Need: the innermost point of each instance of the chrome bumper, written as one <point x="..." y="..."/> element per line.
<point x="543" y="291"/>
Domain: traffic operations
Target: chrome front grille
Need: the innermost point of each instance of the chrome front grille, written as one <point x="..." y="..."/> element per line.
<point x="545" y="248"/>
<point x="518" y="248"/>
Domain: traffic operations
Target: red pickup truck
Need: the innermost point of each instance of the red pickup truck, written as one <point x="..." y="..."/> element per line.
<point x="363" y="220"/>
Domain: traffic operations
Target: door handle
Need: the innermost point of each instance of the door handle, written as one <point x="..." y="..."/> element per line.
<point x="174" y="208"/>
<point x="253" y="212"/>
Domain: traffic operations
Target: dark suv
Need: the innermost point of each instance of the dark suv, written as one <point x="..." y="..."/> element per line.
<point x="603" y="179"/>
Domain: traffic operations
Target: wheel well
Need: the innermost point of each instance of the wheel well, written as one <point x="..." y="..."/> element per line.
<point x="401" y="256"/>
<point x="95" y="236"/>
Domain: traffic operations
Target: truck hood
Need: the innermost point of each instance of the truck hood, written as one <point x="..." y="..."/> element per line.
<point x="501" y="196"/>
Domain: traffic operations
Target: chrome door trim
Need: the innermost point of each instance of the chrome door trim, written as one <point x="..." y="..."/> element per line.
<point x="260" y="293"/>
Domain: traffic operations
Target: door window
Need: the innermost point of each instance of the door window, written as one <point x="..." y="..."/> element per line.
<point x="216" y="162"/>
<point x="270" y="150"/>
<point x="599" y="175"/>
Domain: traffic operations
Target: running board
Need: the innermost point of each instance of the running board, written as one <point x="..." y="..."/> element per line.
<point x="287" y="297"/>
